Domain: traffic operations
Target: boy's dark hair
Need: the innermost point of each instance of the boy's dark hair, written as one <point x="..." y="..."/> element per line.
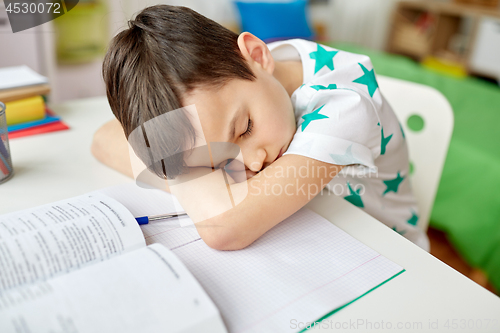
<point x="167" y="51"/>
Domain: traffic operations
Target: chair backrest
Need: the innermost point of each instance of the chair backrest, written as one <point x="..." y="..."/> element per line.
<point x="427" y="121"/>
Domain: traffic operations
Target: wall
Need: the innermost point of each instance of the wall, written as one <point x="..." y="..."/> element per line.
<point x="360" y="21"/>
<point x="35" y="48"/>
<point x="364" y="22"/>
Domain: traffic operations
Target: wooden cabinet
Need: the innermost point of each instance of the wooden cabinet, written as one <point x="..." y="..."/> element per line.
<point x="452" y="33"/>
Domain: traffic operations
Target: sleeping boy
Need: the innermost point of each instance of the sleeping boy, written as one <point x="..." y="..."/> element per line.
<point x="303" y="116"/>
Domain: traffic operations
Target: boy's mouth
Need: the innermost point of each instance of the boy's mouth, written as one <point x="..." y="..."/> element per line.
<point x="280" y="154"/>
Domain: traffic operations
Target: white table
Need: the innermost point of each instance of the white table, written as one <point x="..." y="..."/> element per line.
<point x="429" y="297"/>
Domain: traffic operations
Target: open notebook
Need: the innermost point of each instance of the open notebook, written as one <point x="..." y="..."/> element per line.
<point x="302" y="270"/>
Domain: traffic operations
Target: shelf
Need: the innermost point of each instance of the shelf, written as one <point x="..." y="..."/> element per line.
<point x="444" y="32"/>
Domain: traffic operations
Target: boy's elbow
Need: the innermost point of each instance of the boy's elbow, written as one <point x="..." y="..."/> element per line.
<point x="216" y="242"/>
<point x="97" y="145"/>
<point x="223" y="240"/>
<point x="110" y="147"/>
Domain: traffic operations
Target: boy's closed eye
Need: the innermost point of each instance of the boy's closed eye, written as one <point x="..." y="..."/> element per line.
<point x="248" y="131"/>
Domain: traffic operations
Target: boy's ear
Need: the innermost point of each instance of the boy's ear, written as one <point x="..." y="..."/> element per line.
<point x="255" y="51"/>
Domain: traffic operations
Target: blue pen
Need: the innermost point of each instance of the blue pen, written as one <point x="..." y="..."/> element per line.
<point x="3" y="149"/>
<point x="4" y="161"/>
<point x="146" y="219"/>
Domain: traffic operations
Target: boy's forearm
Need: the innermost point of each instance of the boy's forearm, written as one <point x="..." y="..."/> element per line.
<point x="110" y="147"/>
<point x="272" y="196"/>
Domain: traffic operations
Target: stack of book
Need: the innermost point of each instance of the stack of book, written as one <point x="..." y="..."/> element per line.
<point x="23" y="92"/>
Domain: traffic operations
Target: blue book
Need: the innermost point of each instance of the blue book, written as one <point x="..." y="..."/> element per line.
<point x="47" y="120"/>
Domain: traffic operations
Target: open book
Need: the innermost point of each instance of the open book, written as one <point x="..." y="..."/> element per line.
<point x="105" y="279"/>
<point x="82" y="265"/>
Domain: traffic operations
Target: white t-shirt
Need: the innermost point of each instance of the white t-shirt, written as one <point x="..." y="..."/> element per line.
<point x="342" y="118"/>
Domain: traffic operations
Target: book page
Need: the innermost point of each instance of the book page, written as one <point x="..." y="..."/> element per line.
<point x="299" y="271"/>
<point x="147" y="290"/>
<point x="19" y="76"/>
<point x="53" y="239"/>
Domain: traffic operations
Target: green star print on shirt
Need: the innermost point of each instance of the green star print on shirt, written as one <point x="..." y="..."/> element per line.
<point x="354" y="197"/>
<point x="320" y="87"/>
<point x="413" y="219"/>
<point x="402" y="132"/>
<point x="385" y="141"/>
<point x="312" y="116"/>
<point x="345" y="159"/>
<point x="402" y="232"/>
<point x="323" y="58"/>
<point x="368" y="79"/>
<point x="393" y="184"/>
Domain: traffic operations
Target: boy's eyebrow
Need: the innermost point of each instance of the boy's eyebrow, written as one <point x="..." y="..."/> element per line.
<point x="232" y="123"/>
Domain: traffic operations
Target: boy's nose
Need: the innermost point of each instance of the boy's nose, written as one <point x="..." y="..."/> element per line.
<point x="257" y="160"/>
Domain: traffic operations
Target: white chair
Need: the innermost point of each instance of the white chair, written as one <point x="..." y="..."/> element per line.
<point x="429" y="145"/>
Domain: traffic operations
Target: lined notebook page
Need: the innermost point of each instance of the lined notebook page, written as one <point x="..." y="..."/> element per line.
<point x="302" y="269"/>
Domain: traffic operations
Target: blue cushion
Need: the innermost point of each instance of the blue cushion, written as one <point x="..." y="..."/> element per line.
<point x="275" y="20"/>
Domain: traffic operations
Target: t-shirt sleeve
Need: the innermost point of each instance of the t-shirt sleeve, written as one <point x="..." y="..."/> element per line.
<point x="338" y="126"/>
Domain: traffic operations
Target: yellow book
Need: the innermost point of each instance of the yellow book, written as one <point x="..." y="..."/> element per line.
<point x="26" y="109"/>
